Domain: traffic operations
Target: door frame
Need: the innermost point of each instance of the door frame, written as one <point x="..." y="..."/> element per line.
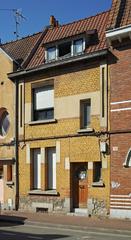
<point x="74" y="181"/>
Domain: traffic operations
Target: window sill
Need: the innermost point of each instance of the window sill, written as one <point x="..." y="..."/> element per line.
<point x="84" y="130"/>
<point x="98" y="184"/>
<point x="42" y="122"/>
<point x="10" y="183"/>
<point x="47" y="192"/>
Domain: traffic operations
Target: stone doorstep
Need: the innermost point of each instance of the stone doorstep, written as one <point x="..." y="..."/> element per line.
<point x="79" y="212"/>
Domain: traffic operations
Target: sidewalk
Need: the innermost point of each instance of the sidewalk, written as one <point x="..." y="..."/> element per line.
<point x="46" y="219"/>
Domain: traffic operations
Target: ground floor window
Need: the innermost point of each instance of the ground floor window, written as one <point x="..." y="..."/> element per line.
<point x="51" y="168"/>
<point x="36" y="168"/>
<point x="97" y="166"/>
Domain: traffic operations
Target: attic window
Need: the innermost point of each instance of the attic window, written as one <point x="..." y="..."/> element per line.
<point x="64" y="50"/>
<point x="78" y="46"/>
<point x="51" y="53"/>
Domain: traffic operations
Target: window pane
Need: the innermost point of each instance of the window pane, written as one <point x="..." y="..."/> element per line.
<point x="43" y="97"/>
<point x="87" y="113"/>
<point x="51" y="53"/>
<point x="78" y="46"/>
<point x="65" y="50"/>
<point x="43" y="114"/>
<point x="37" y="169"/>
<point x="97" y="171"/>
<point x="51" y="168"/>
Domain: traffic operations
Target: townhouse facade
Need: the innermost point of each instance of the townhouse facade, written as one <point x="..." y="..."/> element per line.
<point x="65" y="117"/>
<point x="119" y="39"/>
<point x="62" y="97"/>
<point x="10" y="59"/>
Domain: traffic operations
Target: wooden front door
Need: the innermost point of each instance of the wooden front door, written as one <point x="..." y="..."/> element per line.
<point x="80" y="185"/>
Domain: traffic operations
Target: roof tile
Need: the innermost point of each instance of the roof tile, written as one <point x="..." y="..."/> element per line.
<point x="98" y="22"/>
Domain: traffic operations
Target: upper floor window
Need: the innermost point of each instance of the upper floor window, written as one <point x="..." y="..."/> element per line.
<point x="78" y="46"/>
<point x="65" y="49"/>
<point x="4" y="122"/>
<point x="85" y="109"/>
<point x="51" y="53"/>
<point x="43" y="103"/>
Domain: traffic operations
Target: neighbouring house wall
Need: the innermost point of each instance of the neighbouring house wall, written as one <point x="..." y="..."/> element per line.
<point x="7" y="95"/>
<point x="120" y="75"/>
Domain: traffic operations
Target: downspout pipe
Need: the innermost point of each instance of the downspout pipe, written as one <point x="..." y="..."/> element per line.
<point x="16" y="149"/>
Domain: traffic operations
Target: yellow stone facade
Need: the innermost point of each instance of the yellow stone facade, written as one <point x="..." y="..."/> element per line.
<point x="74" y="147"/>
<point x="7" y="151"/>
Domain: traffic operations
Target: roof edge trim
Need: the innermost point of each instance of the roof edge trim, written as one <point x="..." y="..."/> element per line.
<point x="5" y="53"/>
<point x="14" y="75"/>
<point x="118" y="31"/>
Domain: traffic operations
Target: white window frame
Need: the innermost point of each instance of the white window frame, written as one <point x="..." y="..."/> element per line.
<point x="43" y="105"/>
<point x="36" y="168"/>
<point x="51" y="168"/>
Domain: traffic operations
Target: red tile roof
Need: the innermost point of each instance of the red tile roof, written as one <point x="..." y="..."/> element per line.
<point x="98" y="22"/>
<point x="120" y="14"/>
<point x="19" y="49"/>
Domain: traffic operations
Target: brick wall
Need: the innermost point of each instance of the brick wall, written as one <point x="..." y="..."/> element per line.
<point x="120" y="120"/>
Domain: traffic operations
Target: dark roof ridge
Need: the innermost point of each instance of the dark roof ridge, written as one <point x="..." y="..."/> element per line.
<point x="12" y="41"/>
<point x="82" y="19"/>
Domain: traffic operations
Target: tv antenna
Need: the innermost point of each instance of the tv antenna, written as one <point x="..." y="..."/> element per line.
<point x="18" y="16"/>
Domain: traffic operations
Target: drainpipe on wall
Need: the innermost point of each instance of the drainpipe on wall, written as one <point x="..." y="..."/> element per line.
<point x="16" y="148"/>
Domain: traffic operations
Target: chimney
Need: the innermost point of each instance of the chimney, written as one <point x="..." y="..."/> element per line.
<point x="53" y="21"/>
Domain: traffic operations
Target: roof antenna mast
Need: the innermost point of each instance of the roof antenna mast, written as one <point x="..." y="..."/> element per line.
<point x="18" y="16"/>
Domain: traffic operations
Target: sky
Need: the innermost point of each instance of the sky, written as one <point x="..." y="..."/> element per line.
<point x="37" y="13"/>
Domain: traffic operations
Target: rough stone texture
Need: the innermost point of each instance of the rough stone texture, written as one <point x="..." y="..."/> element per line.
<point x="50" y="204"/>
<point x="100" y="207"/>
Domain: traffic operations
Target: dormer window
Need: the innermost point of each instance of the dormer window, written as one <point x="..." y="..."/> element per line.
<point x="51" y="53"/>
<point x="65" y="50"/>
<point x="78" y="46"/>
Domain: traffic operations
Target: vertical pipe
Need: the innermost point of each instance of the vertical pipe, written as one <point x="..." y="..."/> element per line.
<point x="16" y="147"/>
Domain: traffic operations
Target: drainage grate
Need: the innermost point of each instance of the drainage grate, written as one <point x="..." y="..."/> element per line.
<point x="42" y="210"/>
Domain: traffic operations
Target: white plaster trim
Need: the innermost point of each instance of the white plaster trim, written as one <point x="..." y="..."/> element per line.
<point x="118" y="32"/>
<point x="121" y="199"/>
<point x="58" y="151"/>
<point x="120" y="196"/>
<point x="120" y="109"/>
<point x="121" y="203"/>
<point x="120" y="213"/>
<point x="43" y="155"/>
<point x="67" y="163"/>
<point x="2" y="51"/>
<point x="121" y="102"/>
<point x="117" y="207"/>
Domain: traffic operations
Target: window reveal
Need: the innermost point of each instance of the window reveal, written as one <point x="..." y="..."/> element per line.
<point x="85" y="109"/>
<point x="43" y="103"/>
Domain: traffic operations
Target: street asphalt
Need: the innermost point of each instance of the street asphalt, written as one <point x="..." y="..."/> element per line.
<point x="12" y="231"/>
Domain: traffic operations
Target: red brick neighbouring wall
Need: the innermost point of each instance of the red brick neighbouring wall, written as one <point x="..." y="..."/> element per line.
<point x="120" y="75"/>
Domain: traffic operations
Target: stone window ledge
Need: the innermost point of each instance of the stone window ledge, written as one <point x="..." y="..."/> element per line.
<point x="47" y="192"/>
<point x="85" y="130"/>
<point x="10" y="183"/>
<point x="42" y="122"/>
<point x="98" y="184"/>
